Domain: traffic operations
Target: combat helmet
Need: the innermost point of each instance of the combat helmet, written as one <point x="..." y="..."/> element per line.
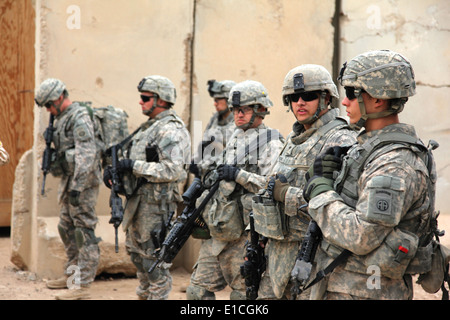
<point x="220" y="89"/>
<point x="306" y="78"/>
<point x="50" y="90"/>
<point x="161" y="86"/>
<point x="250" y="93"/>
<point x="383" y="74"/>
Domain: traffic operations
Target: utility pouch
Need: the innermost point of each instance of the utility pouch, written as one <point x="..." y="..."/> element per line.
<point x="224" y="219"/>
<point x="392" y="257"/>
<point x="269" y="221"/>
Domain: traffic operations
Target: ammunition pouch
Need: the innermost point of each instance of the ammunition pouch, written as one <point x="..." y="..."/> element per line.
<point x="269" y="219"/>
<point x="224" y="214"/>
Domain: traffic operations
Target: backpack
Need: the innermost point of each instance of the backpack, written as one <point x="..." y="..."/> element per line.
<point x="111" y="125"/>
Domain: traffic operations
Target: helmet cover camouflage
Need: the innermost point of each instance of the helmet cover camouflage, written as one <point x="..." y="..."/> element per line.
<point x="308" y="77"/>
<point x="49" y="90"/>
<point x="383" y="74"/>
<point x="220" y="89"/>
<point x="249" y="92"/>
<point x="160" y="85"/>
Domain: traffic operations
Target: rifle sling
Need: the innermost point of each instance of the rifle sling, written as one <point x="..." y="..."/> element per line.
<point x="341" y="258"/>
<point x="257" y="143"/>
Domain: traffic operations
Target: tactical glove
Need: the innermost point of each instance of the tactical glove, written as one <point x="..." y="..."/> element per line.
<point x="227" y="172"/>
<point x="107" y="177"/>
<point x="193" y="168"/>
<point x="278" y="187"/>
<point x="125" y="165"/>
<point x="320" y="176"/>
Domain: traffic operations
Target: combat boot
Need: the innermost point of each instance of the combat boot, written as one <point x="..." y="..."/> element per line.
<point x="60" y="283"/>
<point x="74" y="294"/>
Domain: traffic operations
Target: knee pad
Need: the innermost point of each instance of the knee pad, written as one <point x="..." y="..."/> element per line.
<point x="237" y="295"/>
<point x="63" y="234"/>
<point x="85" y="236"/>
<point x="194" y="292"/>
<point x="136" y="259"/>
<point x="157" y="273"/>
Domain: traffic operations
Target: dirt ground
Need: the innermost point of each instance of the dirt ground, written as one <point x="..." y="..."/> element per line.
<point x="16" y="284"/>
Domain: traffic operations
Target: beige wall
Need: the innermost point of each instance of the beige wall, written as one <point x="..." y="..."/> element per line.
<point x="103" y="48"/>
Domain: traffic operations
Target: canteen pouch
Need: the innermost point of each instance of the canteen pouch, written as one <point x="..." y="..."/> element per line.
<point x="268" y="219"/>
<point x="432" y="281"/>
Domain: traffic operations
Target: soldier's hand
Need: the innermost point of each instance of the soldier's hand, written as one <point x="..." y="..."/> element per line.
<point x="74" y="197"/>
<point x="193" y="168"/>
<point x="227" y="172"/>
<point x="107" y="177"/>
<point x="280" y="187"/>
<point x="125" y="165"/>
<point x="301" y="271"/>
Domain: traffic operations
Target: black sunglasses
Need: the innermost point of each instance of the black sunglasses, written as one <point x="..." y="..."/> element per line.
<point x="147" y="98"/>
<point x="306" y="96"/>
<point x="350" y="92"/>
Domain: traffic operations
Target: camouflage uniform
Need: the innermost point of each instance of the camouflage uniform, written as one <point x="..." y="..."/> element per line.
<point x="78" y="164"/>
<point x="299" y="152"/>
<point x="155" y="188"/>
<point x="227" y="212"/>
<point x="218" y="128"/>
<point x="380" y="201"/>
<point x="4" y="156"/>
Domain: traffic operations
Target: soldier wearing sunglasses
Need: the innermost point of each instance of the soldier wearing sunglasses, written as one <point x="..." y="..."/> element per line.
<point x="152" y="170"/>
<point x="308" y="91"/>
<point x="378" y="213"/>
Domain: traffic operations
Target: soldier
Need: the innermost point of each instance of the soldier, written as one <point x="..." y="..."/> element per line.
<point x="153" y="173"/>
<point x="77" y="162"/>
<point x="4" y="156"/>
<point x="240" y="165"/>
<point x="218" y="130"/>
<point x="308" y="90"/>
<point x="377" y="211"/>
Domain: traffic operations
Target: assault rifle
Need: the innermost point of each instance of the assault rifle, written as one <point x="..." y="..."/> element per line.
<point x="191" y="216"/>
<point x="254" y="261"/>
<point x="185" y="223"/>
<point x="305" y="258"/>
<point x="115" y="201"/>
<point x="47" y="157"/>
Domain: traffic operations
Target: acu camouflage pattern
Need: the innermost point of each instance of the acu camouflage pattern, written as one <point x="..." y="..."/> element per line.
<point x="160" y="85"/>
<point x="77" y="162"/>
<point x="152" y="203"/>
<point x="383" y="74"/>
<point x="251" y="92"/>
<point x="314" y="77"/>
<point x="368" y="230"/>
<point x="49" y="90"/>
<point x="221" y="129"/>
<point x="4" y="156"/>
<point x="298" y="154"/>
<point x="219" y="261"/>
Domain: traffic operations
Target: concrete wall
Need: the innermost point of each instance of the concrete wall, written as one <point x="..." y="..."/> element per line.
<point x="102" y="49"/>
